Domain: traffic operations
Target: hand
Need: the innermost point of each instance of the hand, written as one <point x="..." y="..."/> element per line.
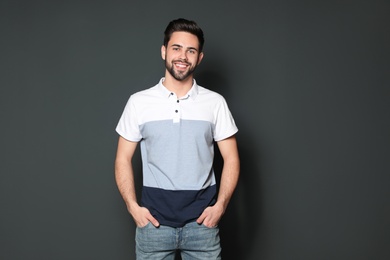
<point x="142" y="217"/>
<point x="211" y="216"/>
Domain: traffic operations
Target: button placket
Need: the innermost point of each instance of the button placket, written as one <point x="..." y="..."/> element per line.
<point x="176" y="110"/>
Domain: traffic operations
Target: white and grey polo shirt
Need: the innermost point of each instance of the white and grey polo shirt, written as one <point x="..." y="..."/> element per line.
<point x="177" y="137"/>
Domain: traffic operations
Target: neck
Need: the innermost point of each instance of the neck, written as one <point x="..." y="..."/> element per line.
<point x="179" y="87"/>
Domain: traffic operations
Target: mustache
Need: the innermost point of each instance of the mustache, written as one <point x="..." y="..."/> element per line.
<point x="182" y="61"/>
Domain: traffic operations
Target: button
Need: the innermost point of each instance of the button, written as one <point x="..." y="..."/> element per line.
<point x="178" y="101"/>
<point x="176" y="111"/>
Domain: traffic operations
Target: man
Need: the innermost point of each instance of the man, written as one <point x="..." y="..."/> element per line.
<point x="176" y="123"/>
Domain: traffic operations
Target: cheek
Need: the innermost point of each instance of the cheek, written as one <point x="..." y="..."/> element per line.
<point x="195" y="62"/>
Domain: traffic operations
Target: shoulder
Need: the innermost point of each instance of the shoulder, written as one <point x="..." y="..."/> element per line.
<point x="145" y="94"/>
<point x="205" y="93"/>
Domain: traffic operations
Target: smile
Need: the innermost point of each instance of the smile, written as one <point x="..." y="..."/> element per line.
<point x="181" y="65"/>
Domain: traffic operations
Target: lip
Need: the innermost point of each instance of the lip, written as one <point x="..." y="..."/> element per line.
<point x="181" y="65"/>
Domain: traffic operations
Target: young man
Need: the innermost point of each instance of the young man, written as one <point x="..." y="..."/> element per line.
<point x="176" y="123"/>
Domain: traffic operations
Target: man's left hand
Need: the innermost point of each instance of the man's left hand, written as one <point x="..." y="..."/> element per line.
<point x="211" y="216"/>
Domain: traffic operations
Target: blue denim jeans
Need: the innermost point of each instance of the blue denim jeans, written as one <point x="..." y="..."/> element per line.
<point x="194" y="241"/>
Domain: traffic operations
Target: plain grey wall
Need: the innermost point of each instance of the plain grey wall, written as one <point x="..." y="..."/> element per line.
<point x="308" y="85"/>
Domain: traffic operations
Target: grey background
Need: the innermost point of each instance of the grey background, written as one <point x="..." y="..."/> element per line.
<point x="308" y="85"/>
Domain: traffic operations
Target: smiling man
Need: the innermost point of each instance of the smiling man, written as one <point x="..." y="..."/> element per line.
<point x="176" y="123"/>
<point x="184" y="57"/>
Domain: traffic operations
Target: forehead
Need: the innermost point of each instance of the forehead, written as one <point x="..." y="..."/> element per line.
<point x="184" y="39"/>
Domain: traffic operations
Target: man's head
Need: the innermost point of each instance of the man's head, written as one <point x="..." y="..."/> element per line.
<point x="182" y="49"/>
<point x="183" y="25"/>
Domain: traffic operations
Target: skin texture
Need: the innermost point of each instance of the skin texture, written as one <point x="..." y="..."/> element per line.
<point x="181" y="50"/>
<point x="181" y="57"/>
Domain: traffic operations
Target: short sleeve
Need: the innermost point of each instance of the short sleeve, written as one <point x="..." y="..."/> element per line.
<point x="128" y="126"/>
<point x="224" y="124"/>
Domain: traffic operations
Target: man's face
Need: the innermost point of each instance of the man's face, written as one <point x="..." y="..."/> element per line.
<point x="181" y="55"/>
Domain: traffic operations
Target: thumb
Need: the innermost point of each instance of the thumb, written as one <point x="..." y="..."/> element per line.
<point x="201" y="218"/>
<point x="153" y="221"/>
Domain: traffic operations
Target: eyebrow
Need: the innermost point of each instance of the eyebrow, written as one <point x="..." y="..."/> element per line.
<point x="180" y="46"/>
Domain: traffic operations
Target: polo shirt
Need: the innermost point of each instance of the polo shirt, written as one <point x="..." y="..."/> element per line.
<point x="176" y="138"/>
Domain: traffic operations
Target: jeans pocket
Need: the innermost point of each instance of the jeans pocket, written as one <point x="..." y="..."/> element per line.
<point x="216" y="226"/>
<point x="143" y="227"/>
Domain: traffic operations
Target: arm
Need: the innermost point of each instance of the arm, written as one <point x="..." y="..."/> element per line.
<point x="124" y="177"/>
<point x="229" y="178"/>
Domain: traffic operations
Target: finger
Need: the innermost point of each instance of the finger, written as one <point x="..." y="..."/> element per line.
<point x="209" y="223"/>
<point x="153" y="221"/>
<point x="201" y="218"/>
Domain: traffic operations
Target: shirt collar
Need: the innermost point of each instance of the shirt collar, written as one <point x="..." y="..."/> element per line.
<point x="191" y="94"/>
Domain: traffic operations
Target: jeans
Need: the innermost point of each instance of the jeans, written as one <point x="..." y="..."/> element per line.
<point x="194" y="241"/>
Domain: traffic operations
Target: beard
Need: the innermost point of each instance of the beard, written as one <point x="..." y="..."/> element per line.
<point x="179" y="75"/>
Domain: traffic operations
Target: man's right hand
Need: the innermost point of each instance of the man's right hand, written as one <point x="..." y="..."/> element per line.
<point x="142" y="217"/>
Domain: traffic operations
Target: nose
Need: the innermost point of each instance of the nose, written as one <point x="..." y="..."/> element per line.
<point x="183" y="55"/>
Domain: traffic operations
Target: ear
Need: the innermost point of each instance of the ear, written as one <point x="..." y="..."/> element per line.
<point x="200" y="58"/>
<point x="163" y="52"/>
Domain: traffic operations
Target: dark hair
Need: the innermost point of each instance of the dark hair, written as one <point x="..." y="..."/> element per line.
<point x="183" y="25"/>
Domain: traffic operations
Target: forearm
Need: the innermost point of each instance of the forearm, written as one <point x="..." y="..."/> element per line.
<point x="124" y="177"/>
<point x="229" y="180"/>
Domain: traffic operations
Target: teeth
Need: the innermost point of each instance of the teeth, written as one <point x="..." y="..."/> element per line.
<point x="181" y="65"/>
